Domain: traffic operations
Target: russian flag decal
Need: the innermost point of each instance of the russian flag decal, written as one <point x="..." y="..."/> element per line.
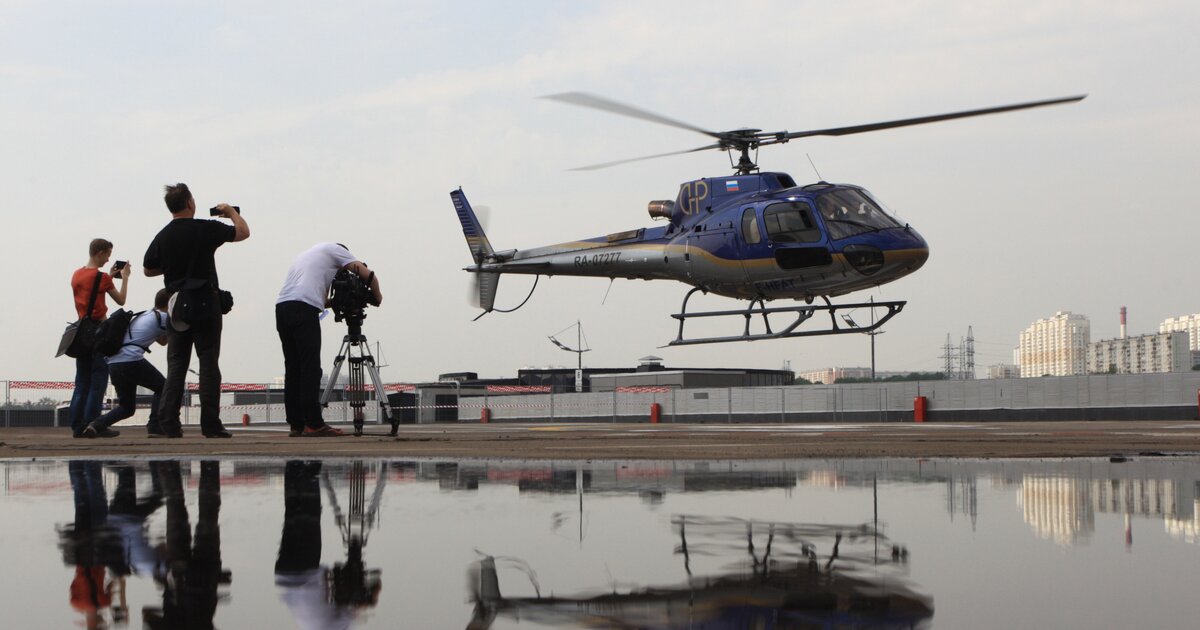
<point x="731" y="185"/>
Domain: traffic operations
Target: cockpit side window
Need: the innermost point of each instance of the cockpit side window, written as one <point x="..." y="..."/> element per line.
<point x="750" y="230"/>
<point x="791" y="222"/>
<point x="848" y="212"/>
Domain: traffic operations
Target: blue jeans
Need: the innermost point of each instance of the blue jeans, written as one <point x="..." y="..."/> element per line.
<point x="91" y="379"/>
<point x="126" y="377"/>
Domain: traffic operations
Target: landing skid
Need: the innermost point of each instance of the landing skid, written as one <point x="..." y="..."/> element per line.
<point x="801" y="313"/>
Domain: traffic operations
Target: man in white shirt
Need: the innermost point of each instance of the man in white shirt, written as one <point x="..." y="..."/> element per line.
<point x="304" y="295"/>
<point x="129" y="369"/>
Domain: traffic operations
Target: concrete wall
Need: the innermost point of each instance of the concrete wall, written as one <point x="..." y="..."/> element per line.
<point x="1108" y="397"/>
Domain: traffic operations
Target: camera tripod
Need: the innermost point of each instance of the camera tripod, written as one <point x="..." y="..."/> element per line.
<point x="356" y="349"/>
<point x="352" y="583"/>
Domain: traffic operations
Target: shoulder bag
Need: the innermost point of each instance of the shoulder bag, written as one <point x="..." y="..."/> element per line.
<point x="80" y="336"/>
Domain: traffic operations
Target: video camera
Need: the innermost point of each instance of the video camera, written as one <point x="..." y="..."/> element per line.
<point x="349" y="297"/>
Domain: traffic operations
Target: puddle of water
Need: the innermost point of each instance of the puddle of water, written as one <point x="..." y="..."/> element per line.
<point x="478" y="544"/>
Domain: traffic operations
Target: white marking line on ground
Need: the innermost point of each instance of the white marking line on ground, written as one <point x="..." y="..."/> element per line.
<point x="1152" y="434"/>
<point x="803" y="428"/>
<point x="674" y="446"/>
<point x="779" y="430"/>
<point x="686" y="428"/>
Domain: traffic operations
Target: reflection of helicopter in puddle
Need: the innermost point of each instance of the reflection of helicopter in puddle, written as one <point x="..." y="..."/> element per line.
<point x="785" y="585"/>
<point x="752" y="236"/>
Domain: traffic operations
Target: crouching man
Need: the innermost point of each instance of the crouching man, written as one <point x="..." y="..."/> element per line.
<point x="304" y="295"/>
<point x="129" y="369"/>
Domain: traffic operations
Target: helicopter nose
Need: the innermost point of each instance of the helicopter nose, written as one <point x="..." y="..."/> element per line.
<point x="910" y="252"/>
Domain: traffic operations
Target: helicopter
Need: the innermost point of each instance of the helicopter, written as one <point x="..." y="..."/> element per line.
<point x="755" y="236"/>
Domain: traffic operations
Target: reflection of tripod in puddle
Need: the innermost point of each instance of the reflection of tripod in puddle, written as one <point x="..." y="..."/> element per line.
<point x="356" y="349"/>
<point x="352" y="582"/>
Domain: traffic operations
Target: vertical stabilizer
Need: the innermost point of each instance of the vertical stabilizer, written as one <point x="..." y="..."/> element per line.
<point x="481" y="250"/>
<point x="477" y="241"/>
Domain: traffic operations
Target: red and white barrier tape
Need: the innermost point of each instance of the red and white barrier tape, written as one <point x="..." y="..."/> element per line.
<point x="225" y="387"/>
<point x="519" y="389"/>
<point x="41" y="385"/>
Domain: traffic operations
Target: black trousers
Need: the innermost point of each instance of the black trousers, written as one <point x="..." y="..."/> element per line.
<point x="299" y="328"/>
<point x="126" y="377"/>
<point x="300" y="543"/>
<point x="190" y="597"/>
<point x="207" y="340"/>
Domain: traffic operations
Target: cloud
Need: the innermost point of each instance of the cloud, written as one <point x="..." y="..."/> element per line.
<point x="31" y="73"/>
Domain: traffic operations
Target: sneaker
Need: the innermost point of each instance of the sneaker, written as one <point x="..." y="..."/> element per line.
<point x="93" y="431"/>
<point x="322" y="431"/>
<point x="218" y="433"/>
<point x="296" y="433"/>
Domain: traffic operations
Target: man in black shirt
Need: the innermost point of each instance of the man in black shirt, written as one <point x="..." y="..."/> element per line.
<point x="182" y="253"/>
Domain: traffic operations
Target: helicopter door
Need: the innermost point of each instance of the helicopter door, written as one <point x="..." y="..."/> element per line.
<point x="753" y="243"/>
<point x="706" y="249"/>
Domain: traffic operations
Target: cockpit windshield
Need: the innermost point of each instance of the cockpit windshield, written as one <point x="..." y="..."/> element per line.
<point x="849" y="211"/>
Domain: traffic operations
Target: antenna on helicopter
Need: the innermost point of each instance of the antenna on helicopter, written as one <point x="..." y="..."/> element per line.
<point x="814" y="166"/>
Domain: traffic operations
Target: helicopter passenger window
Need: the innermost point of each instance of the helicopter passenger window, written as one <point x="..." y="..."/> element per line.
<point x="791" y="222"/>
<point x="750" y="227"/>
<point x="849" y="211"/>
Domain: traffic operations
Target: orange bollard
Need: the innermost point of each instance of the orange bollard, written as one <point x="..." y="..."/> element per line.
<point x="245" y="419"/>
<point x="920" y="407"/>
<point x="485" y="415"/>
<point x="655" y="413"/>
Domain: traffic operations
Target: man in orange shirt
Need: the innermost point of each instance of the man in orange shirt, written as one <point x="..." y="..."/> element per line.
<point x="91" y="370"/>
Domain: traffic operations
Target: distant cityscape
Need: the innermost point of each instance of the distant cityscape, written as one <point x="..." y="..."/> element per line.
<point x="1061" y="345"/>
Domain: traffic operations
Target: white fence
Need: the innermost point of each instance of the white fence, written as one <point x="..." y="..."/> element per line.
<point x="1173" y="395"/>
<point x="881" y="402"/>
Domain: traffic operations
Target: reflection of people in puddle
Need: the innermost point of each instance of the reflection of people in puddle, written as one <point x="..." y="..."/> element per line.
<point x="192" y="573"/>
<point x="127" y="516"/>
<point x="303" y="580"/>
<point x="104" y="536"/>
<point x="84" y="543"/>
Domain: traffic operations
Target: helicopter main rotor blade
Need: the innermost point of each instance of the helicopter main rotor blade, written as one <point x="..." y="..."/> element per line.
<point x="594" y="167"/>
<point x="843" y="131"/>
<point x="584" y="99"/>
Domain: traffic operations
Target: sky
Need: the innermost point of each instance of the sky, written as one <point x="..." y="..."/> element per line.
<point x="352" y="122"/>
